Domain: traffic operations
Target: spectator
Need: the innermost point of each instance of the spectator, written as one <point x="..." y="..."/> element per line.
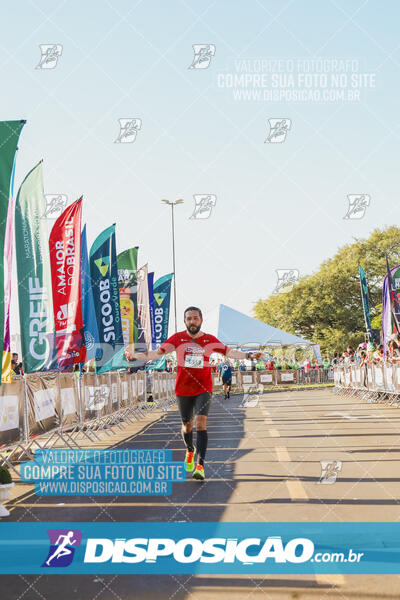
<point x="14" y="364"/>
<point x="307" y="370"/>
<point x="325" y="366"/>
<point x="270" y="365"/>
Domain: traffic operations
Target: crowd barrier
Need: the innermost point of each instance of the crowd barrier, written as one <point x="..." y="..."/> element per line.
<point x="277" y="377"/>
<point x="372" y="382"/>
<point x="45" y="410"/>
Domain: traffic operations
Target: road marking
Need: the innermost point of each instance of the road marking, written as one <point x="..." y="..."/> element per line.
<point x="274" y="433"/>
<point x="282" y="454"/>
<point x="330" y="579"/>
<point x="296" y="490"/>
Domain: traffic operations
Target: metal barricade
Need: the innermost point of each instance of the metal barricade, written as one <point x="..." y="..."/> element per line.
<point x="12" y="421"/>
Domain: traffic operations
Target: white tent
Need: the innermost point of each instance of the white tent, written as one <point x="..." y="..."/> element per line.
<point x="239" y="330"/>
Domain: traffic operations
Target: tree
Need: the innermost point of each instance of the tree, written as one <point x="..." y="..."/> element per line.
<point x="326" y="307"/>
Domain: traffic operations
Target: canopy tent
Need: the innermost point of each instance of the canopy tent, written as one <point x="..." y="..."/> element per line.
<point x="239" y="330"/>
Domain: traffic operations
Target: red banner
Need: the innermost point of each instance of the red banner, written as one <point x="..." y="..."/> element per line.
<point x="65" y="259"/>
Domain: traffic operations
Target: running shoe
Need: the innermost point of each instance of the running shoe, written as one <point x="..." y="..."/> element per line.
<point x="199" y="473"/>
<point x="189" y="461"/>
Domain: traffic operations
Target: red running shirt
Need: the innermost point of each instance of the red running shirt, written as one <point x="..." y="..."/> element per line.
<point x="193" y="356"/>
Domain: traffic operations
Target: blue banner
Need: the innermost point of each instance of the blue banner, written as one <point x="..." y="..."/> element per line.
<point x="365" y="301"/>
<point x="200" y="548"/>
<point x="162" y="297"/>
<point x="393" y="298"/>
<point x="104" y="276"/>
<point x="150" y="279"/>
<point x="88" y="310"/>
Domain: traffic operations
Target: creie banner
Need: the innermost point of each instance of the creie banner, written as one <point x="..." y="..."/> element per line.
<point x="65" y="256"/>
<point x="34" y="277"/>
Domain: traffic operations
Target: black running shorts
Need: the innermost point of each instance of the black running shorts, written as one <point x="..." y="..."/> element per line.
<point x="193" y="405"/>
<point x="227" y="381"/>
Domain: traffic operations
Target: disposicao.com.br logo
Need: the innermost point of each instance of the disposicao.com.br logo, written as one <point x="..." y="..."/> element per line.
<point x="193" y="550"/>
<point x="200" y="547"/>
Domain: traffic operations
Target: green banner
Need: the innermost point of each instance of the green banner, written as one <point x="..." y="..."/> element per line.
<point x="127" y="283"/>
<point x="34" y="277"/>
<point x="9" y="136"/>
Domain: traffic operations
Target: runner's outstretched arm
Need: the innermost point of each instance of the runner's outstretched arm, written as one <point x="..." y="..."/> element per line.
<point x="151" y="355"/>
<point x="239" y="354"/>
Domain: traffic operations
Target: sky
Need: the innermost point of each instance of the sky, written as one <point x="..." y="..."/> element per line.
<point x="280" y="202"/>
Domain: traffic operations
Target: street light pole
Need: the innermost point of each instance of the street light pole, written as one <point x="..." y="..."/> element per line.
<point x="173" y="263"/>
<point x="172" y="204"/>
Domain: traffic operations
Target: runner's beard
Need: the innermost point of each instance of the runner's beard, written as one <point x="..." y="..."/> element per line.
<point x="192" y="329"/>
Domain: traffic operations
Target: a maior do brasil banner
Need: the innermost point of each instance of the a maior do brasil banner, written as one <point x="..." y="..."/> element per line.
<point x="34" y="276"/>
<point x="88" y="309"/>
<point x="127" y="283"/>
<point x="150" y="281"/>
<point x="365" y="301"/>
<point x="104" y="275"/>
<point x="387" y="320"/>
<point x="162" y="297"/>
<point x="9" y="136"/>
<point x="65" y="260"/>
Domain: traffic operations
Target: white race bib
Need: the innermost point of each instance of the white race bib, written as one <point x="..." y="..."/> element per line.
<point x="194" y="361"/>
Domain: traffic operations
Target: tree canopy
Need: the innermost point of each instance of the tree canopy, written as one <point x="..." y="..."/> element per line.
<point x="326" y="307"/>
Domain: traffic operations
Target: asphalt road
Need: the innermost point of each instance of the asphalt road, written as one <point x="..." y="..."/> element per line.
<point x="263" y="464"/>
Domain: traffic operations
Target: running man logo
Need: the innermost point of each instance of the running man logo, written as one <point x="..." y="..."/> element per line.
<point x="50" y="53"/>
<point x="278" y="129"/>
<point x="55" y="204"/>
<point x="251" y="396"/>
<point x="159" y="297"/>
<point x="96" y="397"/>
<point x="128" y="129"/>
<point x="329" y="471"/>
<point x="286" y="278"/>
<point x="358" y="204"/>
<point x="62" y="547"/>
<point x="203" y="205"/>
<point x="102" y="264"/>
<point x="203" y="54"/>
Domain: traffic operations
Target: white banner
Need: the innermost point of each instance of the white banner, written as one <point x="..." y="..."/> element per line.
<point x="9" y="413"/>
<point x="68" y="401"/>
<point x="287" y="377"/>
<point x="114" y="392"/>
<point x="44" y="404"/>
<point x="266" y="378"/>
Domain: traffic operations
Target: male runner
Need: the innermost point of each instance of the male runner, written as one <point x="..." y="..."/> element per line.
<point x="226" y="374"/>
<point x="193" y="386"/>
